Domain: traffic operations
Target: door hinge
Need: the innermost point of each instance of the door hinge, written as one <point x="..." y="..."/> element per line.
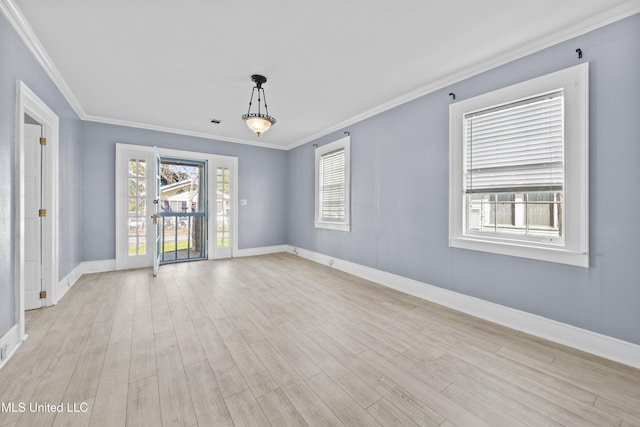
<point x="43" y="294"/>
<point x="42" y="212"/>
<point x="43" y="141"/>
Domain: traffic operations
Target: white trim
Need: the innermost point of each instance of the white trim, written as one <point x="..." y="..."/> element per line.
<point x="12" y="340"/>
<point x="574" y="81"/>
<point x="264" y="250"/>
<point x="67" y="282"/>
<point x="27" y="102"/>
<point x="608" y="16"/>
<point x="184" y="132"/>
<point x="103" y="266"/>
<point x="590" y="24"/>
<point x="562" y="333"/>
<point x="90" y="267"/>
<point x="28" y="36"/>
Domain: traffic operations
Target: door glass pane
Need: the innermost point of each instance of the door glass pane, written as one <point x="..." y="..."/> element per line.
<point x="222" y="207"/>
<point x="133" y="182"/>
<point x="142" y="207"/>
<point x="137" y="207"/>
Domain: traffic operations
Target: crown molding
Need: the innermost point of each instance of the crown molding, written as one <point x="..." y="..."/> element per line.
<point x="118" y="122"/>
<point x="26" y="33"/>
<point x="28" y="36"/>
<point x="609" y="16"/>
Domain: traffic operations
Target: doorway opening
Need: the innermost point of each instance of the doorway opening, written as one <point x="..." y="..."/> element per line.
<point x="183" y="210"/>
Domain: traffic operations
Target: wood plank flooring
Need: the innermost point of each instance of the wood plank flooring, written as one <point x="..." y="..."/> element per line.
<point x="278" y="340"/>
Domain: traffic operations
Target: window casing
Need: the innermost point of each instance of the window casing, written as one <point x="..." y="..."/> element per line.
<point x="519" y="169"/>
<point x="332" y="210"/>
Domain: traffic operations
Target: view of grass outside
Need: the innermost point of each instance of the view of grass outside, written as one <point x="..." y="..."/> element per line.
<point x="170" y="244"/>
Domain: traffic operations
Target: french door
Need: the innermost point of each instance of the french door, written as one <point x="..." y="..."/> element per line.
<point x="157" y="253"/>
<point x="173" y="206"/>
<point x="224" y="202"/>
<point x="135" y="193"/>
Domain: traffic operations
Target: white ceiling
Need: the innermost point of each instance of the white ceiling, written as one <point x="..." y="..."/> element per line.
<point x="175" y="65"/>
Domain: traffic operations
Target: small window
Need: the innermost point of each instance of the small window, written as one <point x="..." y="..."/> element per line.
<point x="332" y="185"/>
<point x="519" y="169"/>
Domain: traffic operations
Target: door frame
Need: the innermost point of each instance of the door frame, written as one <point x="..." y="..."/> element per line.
<point x="212" y="160"/>
<point x="27" y="102"/>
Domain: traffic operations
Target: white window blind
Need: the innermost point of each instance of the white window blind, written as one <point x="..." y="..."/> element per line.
<point x="332" y="186"/>
<point x="517" y="147"/>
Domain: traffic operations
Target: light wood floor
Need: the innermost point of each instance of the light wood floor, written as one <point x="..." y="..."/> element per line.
<point x="277" y="340"/>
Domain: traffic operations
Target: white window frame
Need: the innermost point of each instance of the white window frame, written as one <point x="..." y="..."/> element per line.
<point x="343" y="143"/>
<point x="574" y="249"/>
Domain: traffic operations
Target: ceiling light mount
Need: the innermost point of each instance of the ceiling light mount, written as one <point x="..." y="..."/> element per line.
<point x="258" y="122"/>
<point x="258" y="80"/>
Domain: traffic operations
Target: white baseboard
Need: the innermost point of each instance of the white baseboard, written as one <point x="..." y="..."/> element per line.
<point x="102" y="266"/>
<point x="68" y="281"/>
<point x="561" y="333"/>
<point x="106" y="265"/>
<point x="265" y="250"/>
<point x="12" y="340"/>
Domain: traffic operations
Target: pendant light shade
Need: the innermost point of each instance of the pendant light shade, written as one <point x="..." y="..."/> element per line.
<point x="258" y="121"/>
<point x="258" y="124"/>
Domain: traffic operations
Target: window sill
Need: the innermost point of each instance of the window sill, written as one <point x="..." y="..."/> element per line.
<point x="333" y="226"/>
<point x="521" y="249"/>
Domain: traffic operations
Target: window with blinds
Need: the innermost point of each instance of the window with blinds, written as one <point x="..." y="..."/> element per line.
<point x="516" y="147"/>
<point x="519" y="169"/>
<point x="514" y="167"/>
<point x="332" y="185"/>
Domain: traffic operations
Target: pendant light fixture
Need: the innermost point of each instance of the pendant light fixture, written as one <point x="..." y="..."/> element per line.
<point x="257" y="121"/>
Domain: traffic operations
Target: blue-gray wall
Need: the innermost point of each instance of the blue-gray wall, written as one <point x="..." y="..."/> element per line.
<point x="17" y="63"/>
<point x="399" y="189"/>
<point x="262" y="174"/>
<point x="399" y="195"/>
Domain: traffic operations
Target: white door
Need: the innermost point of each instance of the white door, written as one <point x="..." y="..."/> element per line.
<point x="135" y="191"/>
<point x="33" y="153"/>
<point x="157" y="253"/>
<point x="222" y="210"/>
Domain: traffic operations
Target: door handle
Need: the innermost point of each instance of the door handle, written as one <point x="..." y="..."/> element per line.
<point x="155" y="217"/>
